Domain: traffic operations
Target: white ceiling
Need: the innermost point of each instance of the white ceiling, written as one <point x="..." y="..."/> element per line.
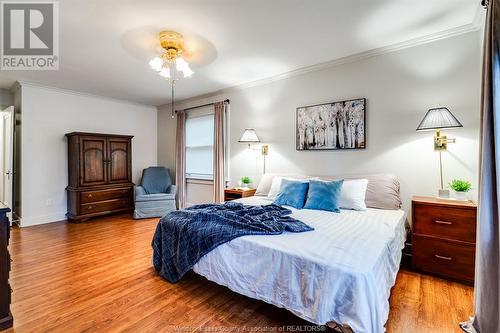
<point x="105" y="46"/>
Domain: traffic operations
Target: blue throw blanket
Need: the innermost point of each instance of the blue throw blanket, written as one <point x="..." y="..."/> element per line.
<point x="182" y="237"/>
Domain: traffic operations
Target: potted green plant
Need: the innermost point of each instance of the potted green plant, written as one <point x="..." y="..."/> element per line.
<point x="245" y="181"/>
<point x="460" y="188"/>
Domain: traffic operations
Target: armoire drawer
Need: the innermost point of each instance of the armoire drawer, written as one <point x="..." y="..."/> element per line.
<point x="104" y="206"/>
<point x="102" y="195"/>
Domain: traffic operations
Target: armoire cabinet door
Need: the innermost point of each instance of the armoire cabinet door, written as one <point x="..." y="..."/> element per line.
<point x="119" y="160"/>
<point x="93" y="161"/>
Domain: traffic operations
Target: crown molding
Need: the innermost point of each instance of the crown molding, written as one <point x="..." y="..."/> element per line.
<point x="22" y="83"/>
<point x="475" y="25"/>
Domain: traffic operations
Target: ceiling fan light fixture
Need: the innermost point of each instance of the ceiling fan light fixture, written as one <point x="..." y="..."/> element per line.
<point x="165" y="72"/>
<point x="170" y="63"/>
<point x="156" y="64"/>
<point x="188" y="72"/>
<point x="173" y="44"/>
<point x="182" y="66"/>
<point x="171" y="59"/>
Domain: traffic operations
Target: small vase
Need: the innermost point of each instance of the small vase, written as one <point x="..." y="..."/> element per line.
<point x="462" y="196"/>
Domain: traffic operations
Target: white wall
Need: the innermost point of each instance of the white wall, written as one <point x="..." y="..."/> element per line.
<point x="47" y="114"/>
<point x="166" y="127"/>
<point x="399" y="86"/>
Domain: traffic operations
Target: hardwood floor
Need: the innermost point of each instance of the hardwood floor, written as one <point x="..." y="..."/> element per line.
<point x="97" y="277"/>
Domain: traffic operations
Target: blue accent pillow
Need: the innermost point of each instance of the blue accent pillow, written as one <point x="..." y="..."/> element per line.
<point x="292" y="193"/>
<point x="324" y="195"/>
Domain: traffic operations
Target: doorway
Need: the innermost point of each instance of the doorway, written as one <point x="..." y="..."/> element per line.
<point x="7" y="158"/>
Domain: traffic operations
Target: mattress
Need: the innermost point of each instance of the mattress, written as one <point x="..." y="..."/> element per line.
<point x="341" y="272"/>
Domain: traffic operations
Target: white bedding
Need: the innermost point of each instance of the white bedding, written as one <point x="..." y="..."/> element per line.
<point x="342" y="271"/>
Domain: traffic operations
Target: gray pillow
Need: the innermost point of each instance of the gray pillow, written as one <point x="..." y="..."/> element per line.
<point x="382" y="191"/>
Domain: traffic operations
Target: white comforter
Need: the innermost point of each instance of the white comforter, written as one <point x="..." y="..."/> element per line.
<point x="342" y="271"/>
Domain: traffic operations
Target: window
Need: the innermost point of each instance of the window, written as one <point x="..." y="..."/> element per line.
<point x="199" y="146"/>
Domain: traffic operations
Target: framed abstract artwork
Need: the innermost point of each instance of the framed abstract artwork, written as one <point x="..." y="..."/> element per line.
<point x="332" y="126"/>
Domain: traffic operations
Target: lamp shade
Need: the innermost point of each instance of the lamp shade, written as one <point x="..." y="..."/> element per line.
<point x="249" y="135"/>
<point x="438" y="118"/>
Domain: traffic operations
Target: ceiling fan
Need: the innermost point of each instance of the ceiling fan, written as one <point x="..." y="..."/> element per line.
<point x="170" y="63"/>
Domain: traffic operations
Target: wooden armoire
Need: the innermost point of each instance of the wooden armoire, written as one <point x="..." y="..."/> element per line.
<point x="100" y="174"/>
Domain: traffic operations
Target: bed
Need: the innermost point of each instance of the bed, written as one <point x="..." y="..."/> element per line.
<point x="342" y="272"/>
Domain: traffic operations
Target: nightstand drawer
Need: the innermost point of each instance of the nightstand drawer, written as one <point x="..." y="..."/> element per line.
<point x="232" y="196"/>
<point x="444" y="258"/>
<point x="451" y="223"/>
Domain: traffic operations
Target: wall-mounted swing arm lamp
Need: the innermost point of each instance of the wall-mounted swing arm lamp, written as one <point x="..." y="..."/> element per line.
<point x="437" y="119"/>
<point x="249" y="136"/>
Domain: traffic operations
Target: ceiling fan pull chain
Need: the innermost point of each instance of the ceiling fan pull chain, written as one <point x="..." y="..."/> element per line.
<point x="172" y="98"/>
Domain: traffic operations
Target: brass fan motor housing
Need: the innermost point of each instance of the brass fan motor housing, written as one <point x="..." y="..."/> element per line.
<point x="173" y="43"/>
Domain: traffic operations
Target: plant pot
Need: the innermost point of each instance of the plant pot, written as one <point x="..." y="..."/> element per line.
<point x="246" y="186"/>
<point x="460" y="195"/>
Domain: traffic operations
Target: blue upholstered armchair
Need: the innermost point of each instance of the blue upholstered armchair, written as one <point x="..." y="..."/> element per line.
<point x="156" y="195"/>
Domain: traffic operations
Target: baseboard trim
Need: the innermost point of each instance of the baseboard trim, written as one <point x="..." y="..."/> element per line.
<point x="42" y="219"/>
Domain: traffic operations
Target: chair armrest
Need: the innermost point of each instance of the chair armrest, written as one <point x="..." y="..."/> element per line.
<point x="139" y="190"/>
<point x="172" y="189"/>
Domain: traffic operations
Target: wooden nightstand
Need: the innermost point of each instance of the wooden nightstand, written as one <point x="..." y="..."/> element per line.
<point x="444" y="237"/>
<point x="232" y="194"/>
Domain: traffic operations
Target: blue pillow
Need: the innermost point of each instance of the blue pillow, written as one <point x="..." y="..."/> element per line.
<point x="324" y="195"/>
<point x="292" y="193"/>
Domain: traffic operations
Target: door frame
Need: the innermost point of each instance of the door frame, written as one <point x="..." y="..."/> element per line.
<point x="9" y="170"/>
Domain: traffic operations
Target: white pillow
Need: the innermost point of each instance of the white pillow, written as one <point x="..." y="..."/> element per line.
<point x="267" y="179"/>
<point x="353" y="193"/>
<point x="275" y="188"/>
<point x="265" y="184"/>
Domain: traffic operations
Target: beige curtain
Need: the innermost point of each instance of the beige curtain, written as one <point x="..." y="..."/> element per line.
<point x="219" y="150"/>
<point x="180" y="159"/>
<point x="487" y="281"/>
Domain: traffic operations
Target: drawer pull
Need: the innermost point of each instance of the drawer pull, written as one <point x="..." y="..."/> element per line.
<point x="90" y="207"/>
<point x="442" y="257"/>
<point x="89" y="196"/>
<point x="443" y="222"/>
